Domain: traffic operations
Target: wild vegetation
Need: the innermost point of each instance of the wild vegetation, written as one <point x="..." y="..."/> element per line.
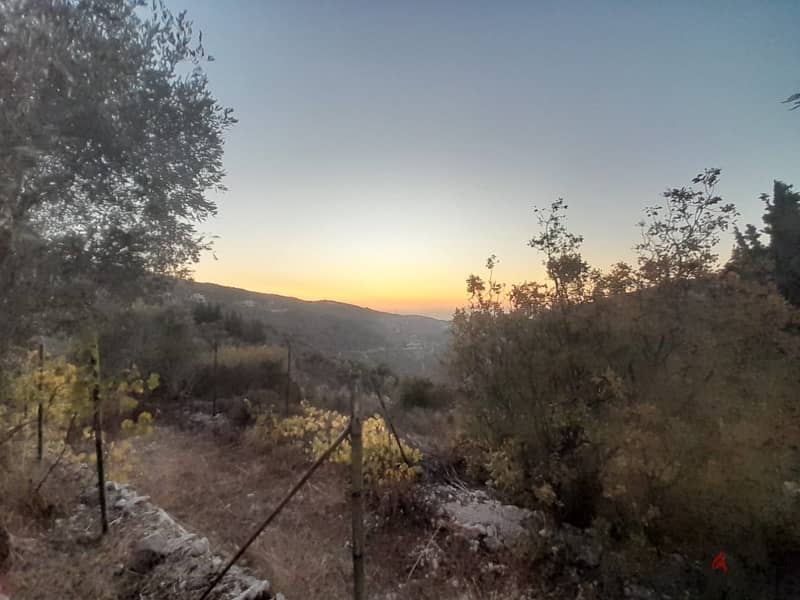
<point x="654" y="402"/>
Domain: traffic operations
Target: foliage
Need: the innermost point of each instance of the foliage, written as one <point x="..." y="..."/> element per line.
<point x="782" y="220"/>
<point x="679" y="236"/>
<point x="52" y="384"/>
<point x="240" y="370"/>
<point x="65" y="391"/>
<point x="158" y="339"/>
<point x="751" y="257"/>
<point x="779" y="259"/>
<point x="420" y="392"/>
<point x="203" y="312"/>
<point x="108" y="145"/>
<point x="314" y="430"/>
<point x="659" y="399"/>
<point x="251" y="331"/>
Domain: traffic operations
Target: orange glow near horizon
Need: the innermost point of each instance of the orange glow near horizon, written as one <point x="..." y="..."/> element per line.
<point x="423" y="293"/>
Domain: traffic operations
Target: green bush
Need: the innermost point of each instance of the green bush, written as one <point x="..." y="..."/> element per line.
<point x="241" y="369"/>
<point x="420" y="392"/>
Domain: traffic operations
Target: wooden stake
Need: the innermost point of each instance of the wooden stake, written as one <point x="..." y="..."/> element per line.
<point x="393" y="430"/>
<point x="288" y="379"/>
<point x="98" y="435"/>
<point x="277" y="510"/>
<point x="40" y="413"/>
<point x="357" y="495"/>
<point x="214" y="379"/>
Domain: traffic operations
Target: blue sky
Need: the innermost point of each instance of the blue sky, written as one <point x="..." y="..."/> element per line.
<point x="384" y="149"/>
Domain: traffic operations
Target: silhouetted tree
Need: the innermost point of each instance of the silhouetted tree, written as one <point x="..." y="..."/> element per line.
<point x="779" y="260"/>
<point x="751" y="258"/>
<point x="206" y="313"/>
<point x="782" y="219"/>
<point x="234" y="324"/>
<point x="679" y="236"/>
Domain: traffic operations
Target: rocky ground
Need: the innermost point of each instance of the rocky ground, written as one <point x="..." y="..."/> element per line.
<point x="146" y="555"/>
<point x="195" y="495"/>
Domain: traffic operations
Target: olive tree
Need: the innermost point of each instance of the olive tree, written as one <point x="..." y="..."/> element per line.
<point x="110" y="140"/>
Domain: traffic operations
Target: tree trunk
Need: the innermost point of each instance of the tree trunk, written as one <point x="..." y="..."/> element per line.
<point x="357" y="497"/>
<point x="40" y="414"/>
<point x="98" y="436"/>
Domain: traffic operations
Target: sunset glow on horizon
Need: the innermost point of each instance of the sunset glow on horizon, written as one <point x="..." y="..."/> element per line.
<point x="383" y="151"/>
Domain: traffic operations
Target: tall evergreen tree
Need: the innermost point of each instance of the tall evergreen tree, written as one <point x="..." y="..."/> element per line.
<point x="751" y="258"/>
<point x="782" y="219"/>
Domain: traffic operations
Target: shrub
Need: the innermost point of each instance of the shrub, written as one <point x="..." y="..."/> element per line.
<point x="660" y="400"/>
<point x="240" y="369"/>
<point x="314" y="430"/>
<point x="421" y="392"/>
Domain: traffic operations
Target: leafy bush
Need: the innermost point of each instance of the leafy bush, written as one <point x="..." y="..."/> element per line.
<point x="65" y="391"/>
<point x="421" y="392"/>
<point x="240" y="369"/>
<point x="314" y="430"/>
<point x="658" y="399"/>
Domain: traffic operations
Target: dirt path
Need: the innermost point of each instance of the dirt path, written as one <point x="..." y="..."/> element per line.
<point x="225" y="489"/>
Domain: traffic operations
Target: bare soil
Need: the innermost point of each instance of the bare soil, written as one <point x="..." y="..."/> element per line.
<point x="224" y="489"/>
<point x="221" y="488"/>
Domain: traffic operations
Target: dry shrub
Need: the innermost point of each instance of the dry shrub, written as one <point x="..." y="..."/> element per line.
<point x="669" y="412"/>
<point x="240" y="370"/>
<point x="387" y="475"/>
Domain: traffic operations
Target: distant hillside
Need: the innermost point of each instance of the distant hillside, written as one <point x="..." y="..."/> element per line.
<point x="408" y="344"/>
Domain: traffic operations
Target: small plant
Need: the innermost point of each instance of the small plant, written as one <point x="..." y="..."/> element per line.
<point x="315" y="429"/>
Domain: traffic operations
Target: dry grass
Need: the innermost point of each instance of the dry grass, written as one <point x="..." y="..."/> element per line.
<point x="47" y="562"/>
<point x="224" y="490"/>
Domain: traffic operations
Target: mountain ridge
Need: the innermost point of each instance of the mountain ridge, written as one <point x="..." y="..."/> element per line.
<point x="320" y="301"/>
<point x="408" y="344"/>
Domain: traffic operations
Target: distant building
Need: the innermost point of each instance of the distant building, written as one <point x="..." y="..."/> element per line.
<point x="249" y="303"/>
<point x="198" y="298"/>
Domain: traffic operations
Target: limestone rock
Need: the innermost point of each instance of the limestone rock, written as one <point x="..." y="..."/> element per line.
<point x="476" y="516"/>
<point x="148" y="553"/>
<point x="257" y="591"/>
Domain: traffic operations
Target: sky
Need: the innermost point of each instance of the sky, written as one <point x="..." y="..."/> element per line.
<point x="385" y="149"/>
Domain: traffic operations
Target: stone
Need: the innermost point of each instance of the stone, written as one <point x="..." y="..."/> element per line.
<point x="198" y="547"/>
<point x="492" y="543"/>
<point x="257" y="591"/>
<point x="477" y="516"/>
<point x="148" y="553"/>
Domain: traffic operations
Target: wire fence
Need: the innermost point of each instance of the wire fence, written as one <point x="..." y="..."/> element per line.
<point x="353" y="432"/>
